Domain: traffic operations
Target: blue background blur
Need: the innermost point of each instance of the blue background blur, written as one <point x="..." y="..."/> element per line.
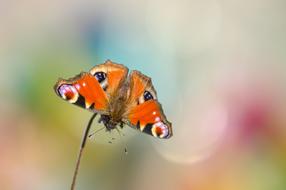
<point x="218" y="68"/>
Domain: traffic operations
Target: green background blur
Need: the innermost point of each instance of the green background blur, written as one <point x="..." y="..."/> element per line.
<point x="219" y="70"/>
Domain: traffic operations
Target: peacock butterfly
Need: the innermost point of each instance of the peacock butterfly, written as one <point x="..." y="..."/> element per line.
<point x="119" y="98"/>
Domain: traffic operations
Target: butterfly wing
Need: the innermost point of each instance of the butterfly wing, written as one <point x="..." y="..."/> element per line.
<point x="92" y="90"/>
<point x="115" y="74"/>
<point x="144" y="112"/>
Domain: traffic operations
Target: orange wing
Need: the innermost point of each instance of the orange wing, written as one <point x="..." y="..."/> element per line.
<point x="144" y="111"/>
<point x="92" y="90"/>
<point x="116" y="74"/>
<point x="83" y="90"/>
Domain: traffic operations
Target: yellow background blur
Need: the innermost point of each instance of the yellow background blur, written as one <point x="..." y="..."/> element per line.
<point x="218" y="68"/>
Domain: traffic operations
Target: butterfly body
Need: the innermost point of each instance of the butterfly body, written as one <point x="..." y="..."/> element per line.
<point x="108" y="122"/>
<point x="120" y="98"/>
<point x="115" y="109"/>
<point x="117" y="105"/>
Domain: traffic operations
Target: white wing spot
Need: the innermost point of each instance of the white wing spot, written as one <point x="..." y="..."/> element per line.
<point x="157" y="119"/>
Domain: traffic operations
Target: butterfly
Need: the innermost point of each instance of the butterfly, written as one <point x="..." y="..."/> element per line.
<point x="120" y="98"/>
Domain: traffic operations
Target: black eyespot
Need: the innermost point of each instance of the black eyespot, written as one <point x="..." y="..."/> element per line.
<point x="100" y="76"/>
<point x="147" y="96"/>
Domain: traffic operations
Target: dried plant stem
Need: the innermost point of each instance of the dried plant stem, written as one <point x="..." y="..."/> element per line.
<point x="83" y="142"/>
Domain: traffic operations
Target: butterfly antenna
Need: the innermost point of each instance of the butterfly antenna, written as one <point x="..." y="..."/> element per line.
<point x="95" y="132"/>
<point x="120" y="136"/>
<point x="83" y="143"/>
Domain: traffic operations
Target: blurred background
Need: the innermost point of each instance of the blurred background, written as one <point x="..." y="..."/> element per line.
<point x="218" y="68"/>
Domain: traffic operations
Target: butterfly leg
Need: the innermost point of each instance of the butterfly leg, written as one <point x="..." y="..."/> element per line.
<point x="104" y="119"/>
<point x="100" y="119"/>
<point x="121" y="125"/>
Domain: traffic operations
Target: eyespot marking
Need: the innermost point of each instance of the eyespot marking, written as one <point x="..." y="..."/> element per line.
<point x="160" y="130"/>
<point x="68" y="92"/>
<point x="100" y="76"/>
<point x="147" y="96"/>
